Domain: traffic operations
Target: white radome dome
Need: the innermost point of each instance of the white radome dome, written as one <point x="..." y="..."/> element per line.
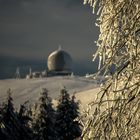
<point x="59" y="60"/>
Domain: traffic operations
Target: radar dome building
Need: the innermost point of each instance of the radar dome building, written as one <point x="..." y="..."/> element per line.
<point x="59" y="63"/>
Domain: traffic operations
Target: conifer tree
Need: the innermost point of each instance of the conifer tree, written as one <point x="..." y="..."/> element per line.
<point x="9" y="117"/>
<point x="67" y="111"/>
<point x="24" y="119"/>
<point x="2" y="134"/>
<point x="12" y="126"/>
<point x="43" y="121"/>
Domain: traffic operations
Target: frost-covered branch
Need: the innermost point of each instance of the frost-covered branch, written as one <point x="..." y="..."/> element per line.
<point x="118" y="46"/>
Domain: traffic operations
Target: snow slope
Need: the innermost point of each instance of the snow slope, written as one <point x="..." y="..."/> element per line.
<point x="23" y="90"/>
<point x="86" y="97"/>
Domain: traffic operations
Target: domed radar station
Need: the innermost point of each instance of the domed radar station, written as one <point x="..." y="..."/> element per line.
<point x="59" y="63"/>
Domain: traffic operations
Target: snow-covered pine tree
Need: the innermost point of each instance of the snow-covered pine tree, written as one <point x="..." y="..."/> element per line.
<point x="25" y="119"/>
<point x="2" y="133"/>
<point x="67" y="111"/>
<point x="9" y="118"/>
<point x="10" y="123"/>
<point x="116" y="112"/>
<point x="43" y="120"/>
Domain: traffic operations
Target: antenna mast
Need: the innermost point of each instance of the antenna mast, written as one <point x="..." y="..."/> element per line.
<point x="30" y="71"/>
<point x="17" y="74"/>
<point x="60" y="47"/>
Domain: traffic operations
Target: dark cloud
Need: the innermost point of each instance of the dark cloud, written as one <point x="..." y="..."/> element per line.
<point x="9" y="2"/>
<point x="31" y="29"/>
<point x="71" y="3"/>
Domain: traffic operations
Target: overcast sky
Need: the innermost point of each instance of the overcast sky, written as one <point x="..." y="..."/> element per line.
<point x="31" y="29"/>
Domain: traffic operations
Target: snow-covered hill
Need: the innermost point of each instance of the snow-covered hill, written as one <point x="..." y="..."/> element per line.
<point x="29" y="89"/>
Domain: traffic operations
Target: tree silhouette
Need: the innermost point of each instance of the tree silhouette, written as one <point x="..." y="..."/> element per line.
<point x="11" y="126"/>
<point x="67" y="111"/>
<point x="24" y="120"/>
<point x="43" y="121"/>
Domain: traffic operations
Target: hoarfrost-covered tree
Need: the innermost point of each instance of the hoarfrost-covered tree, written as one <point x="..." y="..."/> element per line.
<point x="2" y="130"/>
<point x="68" y="128"/>
<point x="24" y="118"/>
<point x="43" y="121"/>
<point x="9" y="119"/>
<point x="10" y="124"/>
<point x="116" y="112"/>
